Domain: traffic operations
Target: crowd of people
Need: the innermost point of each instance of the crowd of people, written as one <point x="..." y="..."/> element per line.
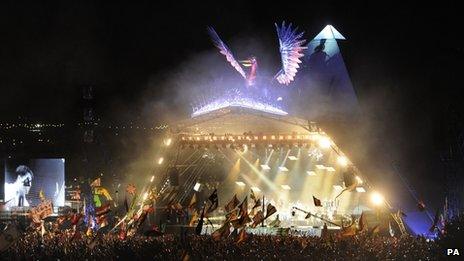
<point x="66" y="246"/>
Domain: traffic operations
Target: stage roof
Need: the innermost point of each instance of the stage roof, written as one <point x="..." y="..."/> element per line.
<point x="238" y="120"/>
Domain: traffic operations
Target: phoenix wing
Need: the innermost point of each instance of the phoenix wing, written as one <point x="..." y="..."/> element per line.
<point x="223" y="49"/>
<point x="291" y="50"/>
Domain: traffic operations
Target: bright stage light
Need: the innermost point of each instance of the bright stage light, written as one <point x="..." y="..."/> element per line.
<point x="320" y="166"/>
<point x="167" y="141"/>
<point x="330" y="169"/>
<point x="145" y="195"/>
<point x="264" y="137"/>
<point x="359" y="180"/>
<point x="255" y="189"/>
<point x="337" y="187"/>
<point x="377" y="198"/>
<point x="292" y="158"/>
<point x="283" y="169"/>
<point x="239" y="183"/>
<point x="160" y="160"/>
<point x="152" y="178"/>
<point x="342" y="161"/>
<point x="197" y="187"/>
<point x="311" y="173"/>
<point x="324" y="142"/>
<point x="272" y="137"/>
<point x="286" y="187"/>
<point x="265" y="167"/>
<point x="360" y="189"/>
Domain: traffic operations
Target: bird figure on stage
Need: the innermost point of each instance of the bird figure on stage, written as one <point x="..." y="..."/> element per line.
<point x="291" y="50"/>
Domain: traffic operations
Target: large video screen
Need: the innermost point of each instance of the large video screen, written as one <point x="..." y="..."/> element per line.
<point x="27" y="181"/>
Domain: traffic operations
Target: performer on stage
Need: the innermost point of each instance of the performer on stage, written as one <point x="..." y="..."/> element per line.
<point x="22" y="185"/>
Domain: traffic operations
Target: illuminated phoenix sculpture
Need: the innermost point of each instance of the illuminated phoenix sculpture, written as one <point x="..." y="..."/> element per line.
<point x="291" y="50"/>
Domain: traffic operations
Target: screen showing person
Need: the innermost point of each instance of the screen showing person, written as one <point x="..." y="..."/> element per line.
<point x="28" y="182"/>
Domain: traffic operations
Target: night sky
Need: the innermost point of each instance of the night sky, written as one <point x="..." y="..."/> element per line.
<point x="405" y="61"/>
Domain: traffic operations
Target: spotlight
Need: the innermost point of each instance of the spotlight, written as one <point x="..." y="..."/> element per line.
<point x="292" y="158"/>
<point x="265" y="167"/>
<point x="337" y="187"/>
<point x="255" y="189"/>
<point x="239" y="183"/>
<point x="377" y="198"/>
<point x="360" y="189"/>
<point x="330" y="169"/>
<point x="197" y="187"/>
<point x="342" y="161"/>
<point x="160" y="160"/>
<point x="320" y="167"/>
<point x="324" y="142"/>
<point x="359" y="180"/>
<point x="152" y="178"/>
<point x="311" y="173"/>
<point x="286" y="187"/>
<point x="283" y="169"/>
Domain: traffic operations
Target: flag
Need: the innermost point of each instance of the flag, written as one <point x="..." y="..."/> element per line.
<point x="241" y="221"/>
<point x="199" y="227"/>
<point x="390" y="229"/>
<point x="41" y="211"/>
<point x="257" y="204"/>
<point x="233" y="214"/>
<point x="242" y="236"/>
<point x="221" y="232"/>
<point x="362" y="224"/>
<point x="131" y="189"/>
<point x="96" y="183"/>
<point x="258" y="218"/>
<point x="317" y="202"/>
<point x="243" y="207"/>
<point x="232" y="204"/>
<point x="421" y="205"/>
<point x="375" y="230"/>
<point x="102" y="191"/>
<point x="103" y="210"/>
<point x="213" y="198"/>
<point x="349" y="231"/>
<point x="349" y="188"/>
<point x="194" y="218"/>
<point x="126" y="204"/>
<point x="193" y="202"/>
<point x="252" y="195"/>
<point x="308" y="215"/>
<point x="41" y="195"/>
<point x="435" y="221"/>
<point x="270" y="210"/>
<point x="275" y="222"/>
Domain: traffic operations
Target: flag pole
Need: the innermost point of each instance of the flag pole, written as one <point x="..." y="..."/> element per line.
<point x="262" y="222"/>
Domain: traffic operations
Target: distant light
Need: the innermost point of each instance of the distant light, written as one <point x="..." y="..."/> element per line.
<point x="160" y="160"/>
<point x="337" y="187"/>
<point x="283" y="169"/>
<point x="324" y="142"/>
<point x="241" y="184"/>
<point x="286" y="187"/>
<point x="279" y="98"/>
<point x="152" y="178"/>
<point x="256" y="189"/>
<point x="264" y="137"/>
<point x="330" y="169"/>
<point x="272" y="137"/>
<point x="168" y="141"/>
<point x="265" y="167"/>
<point x="377" y="198"/>
<point x="292" y="158"/>
<point x="311" y="173"/>
<point x="145" y="195"/>
<point x="197" y="187"/>
<point x="359" y="180"/>
<point x="360" y="189"/>
<point x="342" y="161"/>
<point x="320" y="166"/>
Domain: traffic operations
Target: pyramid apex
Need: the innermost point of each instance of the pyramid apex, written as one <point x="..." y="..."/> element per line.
<point x="329" y="32"/>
